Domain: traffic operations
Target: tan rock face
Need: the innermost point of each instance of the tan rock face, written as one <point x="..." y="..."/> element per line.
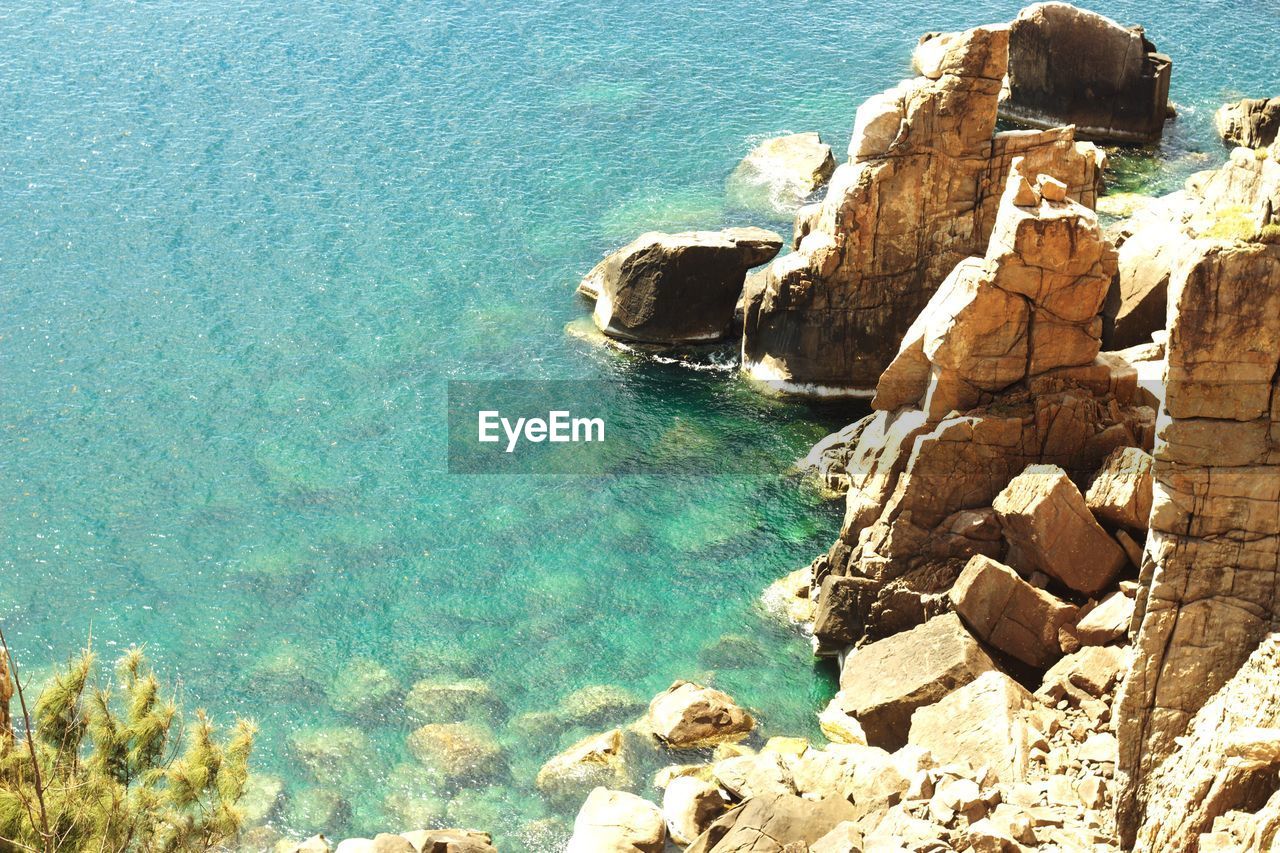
<point x="915" y="200"/>
<point x="977" y="726"/>
<point x="688" y="806"/>
<point x="1050" y="529"/>
<point x="1107" y="622"/>
<point x="676" y="288"/>
<point x="1073" y="66"/>
<point x="1005" y="611"/>
<point x="1251" y="122"/>
<point x="617" y="822"/>
<point x="1121" y="493"/>
<point x="1213" y="558"/>
<point x="780" y="822"/>
<point x="458" y="752"/>
<point x="687" y="714"/>
<point x="883" y="683"/>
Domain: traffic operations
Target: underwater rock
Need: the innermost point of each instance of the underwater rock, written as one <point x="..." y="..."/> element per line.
<point x="321" y="807"/>
<point x="1251" y="122"/>
<point x="595" y="761"/>
<point x="263" y="794"/>
<point x="332" y="755"/>
<point x="363" y="688"/>
<point x="676" y="288"/>
<point x="617" y="822"/>
<point x="782" y="171"/>
<point x="1073" y="66"/>
<point x="690" y="715"/>
<point x="732" y="651"/>
<point x="443" y="700"/>
<point x="459" y="752"/>
<point x="597" y="704"/>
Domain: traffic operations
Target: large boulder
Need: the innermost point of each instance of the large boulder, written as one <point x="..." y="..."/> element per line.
<point x="1213" y="559"/>
<point x="689" y="805"/>
<point x="1050" y="529"/>
<point x="883" y="683"/>
<point x="445" y="700"/>
<point x="1073" y="66"/>
<point x="784" y="170"/>
<point x="919" y="195"/>
<point x="595" y="761"/>
<point x="1107" y="622"/>
<point x="676" y="288"/>
<point x="450" y="841"/>
<point x="690" y="715"/>
<point x="617" y="822"/>
<point x="1121" y="493"/>
<point x="775" y="824"/>
<point x="977" y="725"/>
<point x="1010" y="614"/>
<point x="1251" y="122"/>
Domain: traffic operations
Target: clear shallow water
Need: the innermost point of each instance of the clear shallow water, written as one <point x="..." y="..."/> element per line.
<point x="243" y="248"/>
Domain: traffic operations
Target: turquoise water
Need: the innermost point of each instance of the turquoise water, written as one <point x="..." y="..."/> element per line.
<point x="243" y="248"/>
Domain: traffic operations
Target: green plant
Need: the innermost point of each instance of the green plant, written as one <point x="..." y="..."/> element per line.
<point x="108" y="767"/>
<point x="1233" y="222"/>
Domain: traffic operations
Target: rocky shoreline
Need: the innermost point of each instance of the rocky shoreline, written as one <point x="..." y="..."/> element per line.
<point x="1053" y="594"/>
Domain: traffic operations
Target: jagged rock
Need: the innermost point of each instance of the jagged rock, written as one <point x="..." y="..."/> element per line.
<point x="676" y="288"/>
<point x="977" y="725"/>
<point x="1156" y="241"/>
<point x="1121" y="493"/>
<point x="443" y="700"/>
<point x="786" y="169"/>
<point x="883" y="683"/>
<point x="1029" y="306"/>
<point x="918" y="196"/>
<point x="967" y="533"/>
<point x="458" y="752"/>
<point x="1251" y="122"/>
<point x="595" y="761"/>
<point x="754" y="775"/>
<point x="1093" y="670"/>
<point x="772" y="825"/>
<point x="450" y="841"/>
<point x="617" y="822"/>
<point x="1005" y="611"/>
<point x="687" y="715"/>
<point x="1106" y="622"/>
<point x="689" y="805"/>
<point x="843" y="838"/>
<point x="789" y="596"/>
<point x="869" y="777"/>
<point x="1050" y="529"/>
<point x="1214" y="526"/>
<point x="1073" y="66"/>
<point x="839" y="727"/>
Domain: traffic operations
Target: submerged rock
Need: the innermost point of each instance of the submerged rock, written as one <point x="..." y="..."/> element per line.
<point x="1251" y="122"/>
<point x="617" y="822"/>
<point x="443" y="700"/>
<point x="1073" y="66"/>
<point x="785" y="170"/>
<point x="600" y="703"/>
<point x="331" y="755"/>
<point x="262" y="797"/>
<point x="459" y="752"/>
<point x="363" y="688"/>
<point x="676" y="288"/>
<point x="595" y="761"/>
<point x="318" y="807"/>
<point x="689" y="715"/>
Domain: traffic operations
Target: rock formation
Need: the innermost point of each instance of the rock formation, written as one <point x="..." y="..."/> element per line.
<point x="676" y="288"/>
<point x="1252" y="122"/>
<point x="1073" y="66"/>
<point x="689" y="715"/>
<point x="919" y="195"/>
<point x="1209" y="576"/>
<point x="1000" y="371"/>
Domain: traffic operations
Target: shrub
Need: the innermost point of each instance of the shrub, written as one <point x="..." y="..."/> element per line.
<point x="108" y="767"/>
